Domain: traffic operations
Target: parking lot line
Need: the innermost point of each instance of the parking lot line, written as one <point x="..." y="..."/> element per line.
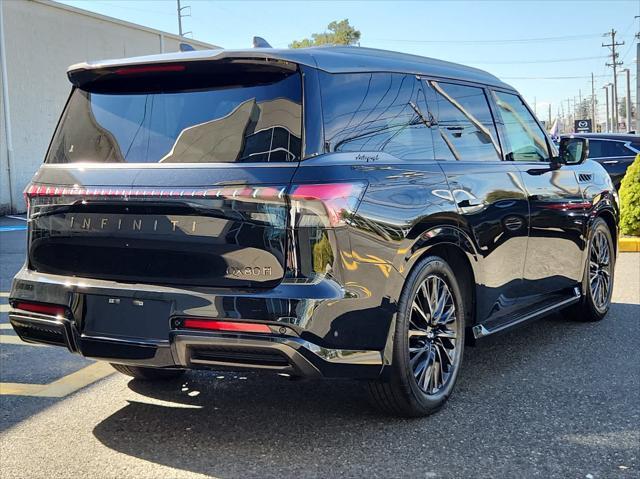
<point x="5" y="326"/>
<point x="62" y="387"/>
<point x="17" y="389"/>
<point x="4" y="294"/>
<point x="7" y="339"/>
<point x="4" y="308"/>
<point x="74" y="381"/>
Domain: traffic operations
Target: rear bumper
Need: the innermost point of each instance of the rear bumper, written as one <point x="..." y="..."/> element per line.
<point x="288" y="349"/>
<point x="204" y="350"/>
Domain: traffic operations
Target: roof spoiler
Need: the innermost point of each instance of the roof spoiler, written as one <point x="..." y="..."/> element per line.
<point x="82" y="73"/>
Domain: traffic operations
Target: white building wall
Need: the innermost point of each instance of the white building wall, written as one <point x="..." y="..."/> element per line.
<point x="4" y="179"/>
<point x="42" y="39"/>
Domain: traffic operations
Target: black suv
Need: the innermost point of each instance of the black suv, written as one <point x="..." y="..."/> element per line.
<point x="614" y="151"/>
<point x="335" y="212"/>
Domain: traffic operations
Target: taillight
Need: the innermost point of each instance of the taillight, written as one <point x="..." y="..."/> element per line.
<point x="42" y="308"/>
<point x="45" y="198"/>
<point x="325" y="204"/>
<point x="193" y="323"/>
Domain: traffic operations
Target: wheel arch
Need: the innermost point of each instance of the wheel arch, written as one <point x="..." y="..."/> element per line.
<point x="460" y="256"/>
<point x="456" y="248"/>
<point x="609" y="218"/>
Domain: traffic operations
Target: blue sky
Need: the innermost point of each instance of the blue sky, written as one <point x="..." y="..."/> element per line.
<point x="515" y="40"/>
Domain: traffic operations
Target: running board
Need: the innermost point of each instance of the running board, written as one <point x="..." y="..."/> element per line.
<point x="480" y="330"/>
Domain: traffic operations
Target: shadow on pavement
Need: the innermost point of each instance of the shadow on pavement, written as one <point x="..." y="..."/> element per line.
<point x="526" y="400"/>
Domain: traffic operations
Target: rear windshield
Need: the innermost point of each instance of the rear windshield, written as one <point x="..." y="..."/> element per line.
<point x="252" y="122"/>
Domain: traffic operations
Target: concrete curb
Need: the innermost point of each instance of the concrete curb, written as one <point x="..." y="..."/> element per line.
<point x="629" y="244"/>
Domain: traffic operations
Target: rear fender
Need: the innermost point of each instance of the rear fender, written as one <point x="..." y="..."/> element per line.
<point x="438" y="236"/>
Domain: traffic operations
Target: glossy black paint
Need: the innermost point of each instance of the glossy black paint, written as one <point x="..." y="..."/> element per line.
<point x="515" y="230"/>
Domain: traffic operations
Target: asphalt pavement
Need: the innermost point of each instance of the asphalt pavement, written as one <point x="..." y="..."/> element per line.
<point x="554" y="398"/>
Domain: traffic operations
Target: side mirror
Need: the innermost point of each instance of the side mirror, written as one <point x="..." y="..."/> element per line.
<point x="573" y="150"/>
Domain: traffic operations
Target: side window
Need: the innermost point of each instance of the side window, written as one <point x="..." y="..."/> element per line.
<point x="616" y="148"/>
<point x="525" y="139"/>
<point x="596" y="148"/>
<point x="376" y="112"/>
<point x="466" y="130"/>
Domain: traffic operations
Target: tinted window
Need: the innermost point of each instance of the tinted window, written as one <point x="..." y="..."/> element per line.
<point x="525" y="139"/>
<point x="252" y="123"/>
<point x="376" y="112"/>
<point x="604" y="148"/>
<point x="465" y="126"/>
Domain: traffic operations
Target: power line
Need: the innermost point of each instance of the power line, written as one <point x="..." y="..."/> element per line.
<point x="554" y="60"/>
<point x="555" y="78"/>
<point x="624" y="35"/>
<point x="505" y="41"/>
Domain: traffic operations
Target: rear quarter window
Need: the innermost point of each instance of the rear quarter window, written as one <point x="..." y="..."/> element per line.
<point x="376" y="112"/>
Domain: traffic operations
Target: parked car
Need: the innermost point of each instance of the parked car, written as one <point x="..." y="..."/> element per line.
<point x="614" y="151"/>
<point x="326" y="212"/>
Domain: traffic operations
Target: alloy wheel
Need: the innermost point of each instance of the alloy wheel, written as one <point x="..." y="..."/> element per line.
<point x="600" y="270"/>
<point x="433" y="344"/>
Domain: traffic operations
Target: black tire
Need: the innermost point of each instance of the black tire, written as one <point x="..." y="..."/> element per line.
<point x="148" y="374"/>
<point x="590" y="309"/>
<point x="398" y="392"/>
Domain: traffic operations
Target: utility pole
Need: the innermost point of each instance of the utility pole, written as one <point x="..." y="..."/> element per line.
<point x="614" y="125"/>
<point x="593" y="104"/>
<point x="569" y="125"/>
<point x="637" y="80"/>
<point x="549" y="115"/>
<point x="614" y="64"/>
<point x="606" y="95"/>
<point x="628" y="100"/>
<point x="180" y="15"/>
<point x="580" y="100"/>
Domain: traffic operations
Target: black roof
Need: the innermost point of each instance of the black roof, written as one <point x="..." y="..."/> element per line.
<point x="335" y="59"/>
<point x="608" y="136"/>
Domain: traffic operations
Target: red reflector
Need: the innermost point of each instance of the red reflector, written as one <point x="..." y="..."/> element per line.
<point x="52" y="309"/>
<point x="226" y="326"/>
<point x="149" y="69"/>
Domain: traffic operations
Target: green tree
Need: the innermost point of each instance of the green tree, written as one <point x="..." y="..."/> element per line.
<point x="339" y="33"/>
<point x="630" y="200"/>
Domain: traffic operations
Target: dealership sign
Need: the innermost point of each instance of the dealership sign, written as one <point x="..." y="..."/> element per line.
<point x="582" y="126"/>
